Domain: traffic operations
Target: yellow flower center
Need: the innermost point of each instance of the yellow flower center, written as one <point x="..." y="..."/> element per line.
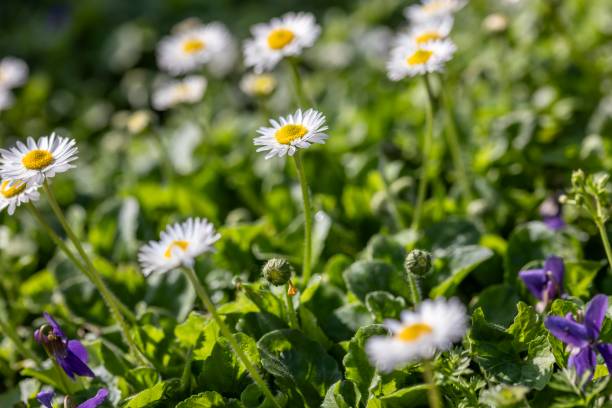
<point x="193" y="45"/>
<point x="11" y="191"/>
<point x="413" y="332"/>
<point x="289" y="133"/>
<point x="37" y="159"/>
<point x="180" y="244"/>
<point x="263" y="85"/>
<point x="420" y="57"/>
<point x="279" y="38"/>
<point x="427" y="37"/>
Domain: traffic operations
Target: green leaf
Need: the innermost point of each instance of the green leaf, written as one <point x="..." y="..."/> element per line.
<point x="208" y="399"/>
<point x="298" y="364"/>
<point x="188" y="332"/>
<point x="407" y="397"/>
<point x="460" y="261"/>
<point x="384" y="305"/>
<point x="579" y="277"/>
<point x="357" y="366"/>
<point x="364" y="277"/>
<point x="343" y="394"/>
<point x="310" y="327"/>
<point x="495" y="301"/>
<point x="386" y="249"/>
<point x="152" y="397"/>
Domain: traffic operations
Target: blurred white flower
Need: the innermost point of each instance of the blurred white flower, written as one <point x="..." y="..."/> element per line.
<point x="13" y="193"/>
<point x="6" y="99"/>
<point x="179" y="245"/>
<point x="258" y="85"/>
<point x="173" y="92"/>
<point x="13" y="72"/>
<point x="192" y="48"/>
<point x="495" y="23"/>
<point x="434" y="326"/>
<point x="286" y="135"/>
<point x="138" y="121"/>
<point x="430" y="10"/>
<point x="281" y="37"/>
<point x="420" y="34"/>
<point x="411" y="60"/>
<point x="38" y="160"/>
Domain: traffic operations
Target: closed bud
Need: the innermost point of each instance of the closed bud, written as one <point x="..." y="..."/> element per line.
<point x="277" y="271"/>
<point x="418" y="262"/>
<point x="578" y="179"/>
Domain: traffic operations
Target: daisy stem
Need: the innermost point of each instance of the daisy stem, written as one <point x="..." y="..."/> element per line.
<point x="293" y="321"/>
<point x="10" y="332"/>
<point x="455" y="146"/>
<point x="109" y="298"/>
<point x="307" y="218"/>
<point x="391" y="201"/>
<point x="166" y="163"/>
<point x="427" y="141"/>
<point x="433" y="395"/>
<point x="413" y="288"/>
<point x="226" y="332"/>
<point x="302" y="99"/>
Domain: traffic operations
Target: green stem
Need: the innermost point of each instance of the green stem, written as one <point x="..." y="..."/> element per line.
<point x="413" y="288"/>
<point x="455" y="146"/>
<point x="306" y="268"/>
<point x="433" y="395"/>
<point x="226" y="332"/>
<point x="109" y="298"/>
<point x="302" y="100"/>
<point x="11" y="333"/>
<point x="391" y="201"/>
<point x="427" y="141"/>
<point x="62" y="376"/>
<point x="293" y="321"/>
<point x="606" y="241"/>
<point x="166" y="164"/>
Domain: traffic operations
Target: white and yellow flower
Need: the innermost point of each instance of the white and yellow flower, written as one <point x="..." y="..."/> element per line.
<point x="281" y="37"/>
<point x="288" y="134"/>
<point x="430" y="10"/>
<point x="434" y="326"/>
<point x="13" y="72"/>
<point x="13" y="193"/>
<point x="6" y="99"/>
<point x="194" y="47"/>
<point x="424" y="33"/>
<point x="179" y="245"/>
<point x="411" y="60"/>
<point x="174" y="92"/>
<point x="38" y="160"/>
<point x="258" y="85"/>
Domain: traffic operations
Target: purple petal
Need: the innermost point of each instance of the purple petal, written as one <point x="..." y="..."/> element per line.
<point x="568" y="331"/>
<point x="556" y="267"/>
<point x="595" y="313"/>
<point x="55" y="325"/>
<point x="583" y="361"/>
<point x="606" y="352"/>
<point x="535" y="280"/>
<point x="96" y="401"/>
<point x="79" y="350"/>
<point x="73" y="365"/>
<point x="46" y="398"/>
<point x="554" y="223"/>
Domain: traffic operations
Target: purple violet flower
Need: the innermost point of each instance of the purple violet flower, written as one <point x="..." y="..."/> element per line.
<point x="583" y="337"/>
<point x="46" y="398"/>
<point x="96" y="400"/>
<point x="551" y="213"/>
<point x="71" y="355"/>
<point x="545" y="284"/>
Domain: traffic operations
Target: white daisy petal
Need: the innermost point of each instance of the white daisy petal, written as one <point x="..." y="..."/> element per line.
<point x="174" y="92"/>
<point x="179" y="245"/>
<point x="431" y="10"/>
<point x="281" y="37"/>
<point x="423" y="33"/>
<point x="13" y="73"/>
<point x="410" y="60"/>
<point x="434" y="326"/>
<point x="289" y="133"/>
<point x="13" y="193"/>
<point x="39" y="159"/>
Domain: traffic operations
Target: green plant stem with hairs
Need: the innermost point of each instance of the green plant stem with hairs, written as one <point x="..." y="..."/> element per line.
<point x="109" y="298"/>
<point x="302" y="100"/>
<point x="292" y="316"/>
<point x="306" y="266"/>
<point x="433" y="394"/>
<point x="227" y="333"/>
<point x="426" y="152"/>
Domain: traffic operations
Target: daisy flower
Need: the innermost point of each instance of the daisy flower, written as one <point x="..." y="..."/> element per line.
<point x="13" y="72"/>
<point x="174" y="92"/>
<point x="411" y="60"/>
<point x="6" y="99"/>
<point x="286" y="135"/>
<point x="15" y="193"/>
<point x="430" y="10"/>
<point x="258" y="85"/>
<point x="426" y="32"/>
<point x="434" y="326"/>
<point x="193" y="47"/>
<point x="179" y="245"/>
<point x="281" y="37"/>
<point x="38" y="160"/>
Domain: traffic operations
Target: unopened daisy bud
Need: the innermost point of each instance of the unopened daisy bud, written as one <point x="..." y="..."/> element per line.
<point x="277" y="271"/>
<point x="418" y="262"/>
<point x="578" y="178"/>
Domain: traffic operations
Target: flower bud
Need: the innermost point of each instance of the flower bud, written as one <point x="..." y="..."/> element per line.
<point x="578" y="179"/>
<point x="418" y="262"/>
<point x="277" y="271"/>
